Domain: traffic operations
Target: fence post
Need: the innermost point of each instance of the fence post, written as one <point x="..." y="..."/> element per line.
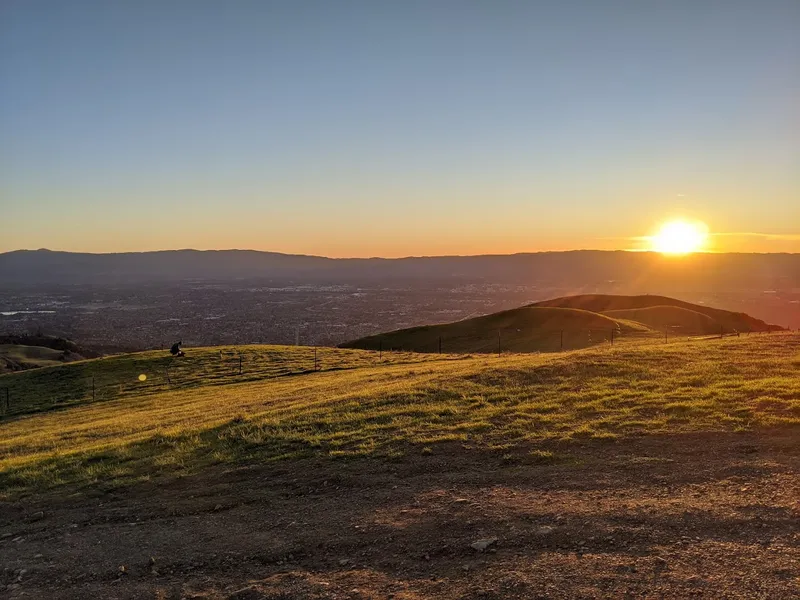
<point x="612" y="336"/>
<point x="498" y="343"/>
<point x="665" y="334"/>
<point x="92" y="388"/>
<point x="562" y="340"/>
<point x="315" y="358"/>
<point x="380" y="350"/>
<point x="240" y="363"/>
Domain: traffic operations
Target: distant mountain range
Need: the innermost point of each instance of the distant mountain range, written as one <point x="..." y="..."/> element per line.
<point x="632" y="271"/>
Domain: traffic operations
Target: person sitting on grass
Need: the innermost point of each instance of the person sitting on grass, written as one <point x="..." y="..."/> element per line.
<point x="176" y="349"/>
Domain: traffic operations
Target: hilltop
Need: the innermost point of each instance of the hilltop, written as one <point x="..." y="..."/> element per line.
<point x="725" y="320"/>
<point x="641" y="469"/>
<point x="567" y="323"/>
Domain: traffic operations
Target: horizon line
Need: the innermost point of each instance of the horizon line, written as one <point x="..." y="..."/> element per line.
<point x="408" y="257"/>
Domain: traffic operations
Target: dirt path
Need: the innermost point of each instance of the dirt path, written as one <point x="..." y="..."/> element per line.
<point x="712" y="515"/>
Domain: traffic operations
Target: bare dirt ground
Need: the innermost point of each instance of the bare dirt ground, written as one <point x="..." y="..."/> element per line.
<point x="703" y="515"/>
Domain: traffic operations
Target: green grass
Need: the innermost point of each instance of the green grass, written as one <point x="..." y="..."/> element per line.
<point x="386" y="410"/>
<point x="526" y="329"/>
<point x="604" y="303"/>
<point x="117" y="377"/>
<point x="673" y="318"/>
<point x="31" y="356"/>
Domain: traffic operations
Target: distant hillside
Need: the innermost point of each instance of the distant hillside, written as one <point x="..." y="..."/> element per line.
<point x="22" y="352"/>
<point x="526" y="329"/>
<point x="671" y="318"/>
<point x="577" y="270"/>
<point x="603" y="303"/>
<point x="564" y="323"/>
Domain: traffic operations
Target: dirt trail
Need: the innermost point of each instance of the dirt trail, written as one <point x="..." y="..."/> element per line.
<point x="705" y="515"/>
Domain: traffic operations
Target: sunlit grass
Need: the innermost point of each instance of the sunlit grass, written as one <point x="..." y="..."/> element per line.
<point x="386" y="410"/>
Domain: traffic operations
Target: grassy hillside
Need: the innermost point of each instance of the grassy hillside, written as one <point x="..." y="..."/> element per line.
<point x="602" y="303"/>
<point x="118" y="377"/>
<point x="527" y="329"/>
<point x="15" y="357"/>
<point x="387" y="409"/>
<point x="20" y="352"/>
<point x="673" y="318"/>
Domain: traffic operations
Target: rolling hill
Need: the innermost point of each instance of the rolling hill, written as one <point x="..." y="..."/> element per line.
<point x="603" y="303"/>
<point x="526" y="329"/>
<point x="18" y="353"/>
<point x="672" y="318"/>
<point x="565" y="323"/>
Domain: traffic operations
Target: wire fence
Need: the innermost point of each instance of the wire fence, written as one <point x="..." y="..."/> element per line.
<point x="138" y="375"/>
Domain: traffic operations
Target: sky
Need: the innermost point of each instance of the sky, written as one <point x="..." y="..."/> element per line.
<point x="397" y="128"/>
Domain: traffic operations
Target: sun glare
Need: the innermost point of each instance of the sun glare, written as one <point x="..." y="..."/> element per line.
<point x="680" y="237"/>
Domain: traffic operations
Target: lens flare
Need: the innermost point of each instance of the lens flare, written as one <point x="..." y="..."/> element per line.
<point x="142" y="377"/>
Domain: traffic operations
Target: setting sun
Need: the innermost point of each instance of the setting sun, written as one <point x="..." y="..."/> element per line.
<point x="680" y="237"/>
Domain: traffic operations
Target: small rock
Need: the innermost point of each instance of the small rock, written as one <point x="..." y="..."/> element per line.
<point x="465" y="567"/>
<point x="37" y="516"/>
<point x="152" y="561"/>
<point x="482" y="545"/>
<point x="545" y="530"/>
<point x="344" y="562"/>
<point x="218" y="507"/>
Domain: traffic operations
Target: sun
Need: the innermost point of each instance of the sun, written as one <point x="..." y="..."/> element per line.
<point x="680" y="237"/>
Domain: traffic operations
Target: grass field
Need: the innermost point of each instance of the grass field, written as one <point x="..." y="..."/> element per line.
<point x="118" y="377"/>
<point x="406" y="404"/>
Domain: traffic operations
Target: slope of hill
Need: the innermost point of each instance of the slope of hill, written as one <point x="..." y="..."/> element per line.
<point x="673" y="318"/>
<point x="586" y="472"/>
<point x="603" y="303"/>
<point x="21" y="352"/>
<point x="526" y="329"/>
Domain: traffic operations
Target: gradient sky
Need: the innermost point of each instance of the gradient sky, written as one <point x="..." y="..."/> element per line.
<point x="397" y="128"/>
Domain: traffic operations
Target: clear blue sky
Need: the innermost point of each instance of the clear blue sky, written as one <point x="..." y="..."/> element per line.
<point x="397" y="128"/>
